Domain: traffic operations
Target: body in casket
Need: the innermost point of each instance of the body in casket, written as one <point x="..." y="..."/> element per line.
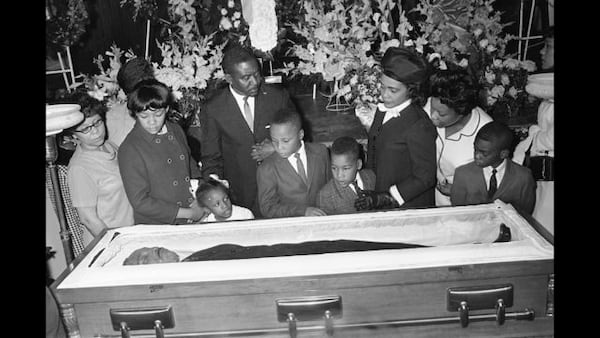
<point x="416" y="291"/>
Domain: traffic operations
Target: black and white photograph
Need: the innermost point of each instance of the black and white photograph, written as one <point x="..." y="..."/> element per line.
<point x="299" y="168"/>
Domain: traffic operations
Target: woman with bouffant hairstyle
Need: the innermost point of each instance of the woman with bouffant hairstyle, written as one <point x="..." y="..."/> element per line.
<point x="453" y="110"/>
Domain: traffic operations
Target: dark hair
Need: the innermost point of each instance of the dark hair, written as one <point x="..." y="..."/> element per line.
<point x="89" y="107"/>
<point x="236" y="54"/>
<point x="346" y="145"/>
<point x="498" y="133"/>
<point x="417" y="94"/>
<point x="132" y="72"/>
<point x="206" y="186"/>
<point x="455" y="89"/>
<point x="287" y="115"/>
<point x="149" y="94"/>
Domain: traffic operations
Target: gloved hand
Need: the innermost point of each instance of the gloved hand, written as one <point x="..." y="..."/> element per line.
<point x="369" y="200"/>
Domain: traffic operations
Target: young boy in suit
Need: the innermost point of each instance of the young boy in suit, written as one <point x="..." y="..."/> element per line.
<point x="349" y="179"/>
<point x="492" y="175"/>
<point x="290" y="178"/>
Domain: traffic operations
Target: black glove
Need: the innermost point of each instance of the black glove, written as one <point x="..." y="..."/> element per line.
<point x="369" y="199"/>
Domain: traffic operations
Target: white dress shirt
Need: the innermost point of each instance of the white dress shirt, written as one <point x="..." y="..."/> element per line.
<point x="359" y="182"/>
<point x="292" y="158"/>
<point x="500" y="170"/>
<point x="239" y="99"/>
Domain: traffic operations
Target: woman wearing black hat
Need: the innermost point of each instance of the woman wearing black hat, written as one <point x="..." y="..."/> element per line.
<point x="401" y="146"/>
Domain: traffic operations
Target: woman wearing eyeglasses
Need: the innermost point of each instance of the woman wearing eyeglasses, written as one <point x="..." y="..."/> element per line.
<point x="93" y="174"/>
<point x="155" y="161"/>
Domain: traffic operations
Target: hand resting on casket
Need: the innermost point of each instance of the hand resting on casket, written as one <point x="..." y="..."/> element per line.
<point x="152" y="255"/>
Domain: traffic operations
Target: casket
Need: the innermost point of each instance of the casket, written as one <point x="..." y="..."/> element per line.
<point x="462" y="283"/>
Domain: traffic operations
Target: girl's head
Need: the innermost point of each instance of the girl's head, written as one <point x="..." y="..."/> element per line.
<point x="403" y="78"/>
<point x="453" y="96"/>
<point x="213" y="195"/>
<point x="149" y="103"/>
<point x="91" y="132"/>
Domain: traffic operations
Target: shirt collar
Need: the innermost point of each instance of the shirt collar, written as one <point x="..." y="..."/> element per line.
<point x="393" y="111"/>
<point x="499" y="169"/>
<point x="146" y="135"/>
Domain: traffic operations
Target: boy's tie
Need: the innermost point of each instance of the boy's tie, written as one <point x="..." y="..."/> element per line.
<point x="300" y="166"/>
<point x="354" y="184"/>
<point x="493" y="184"/>
<point x="248" y="114"/>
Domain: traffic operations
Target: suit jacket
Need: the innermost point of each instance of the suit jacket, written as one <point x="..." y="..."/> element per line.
<point x="335" y="199"/>
<point x="281" y="191"/>
<point x="401" y="152"/>
<point x="517" y="186"/>
<point x="226" y="140"/>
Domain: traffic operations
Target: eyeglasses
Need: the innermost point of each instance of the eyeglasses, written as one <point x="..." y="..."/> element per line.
<point x="87" y="129"/>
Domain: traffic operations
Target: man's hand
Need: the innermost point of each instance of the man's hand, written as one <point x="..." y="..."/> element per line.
<point x="369" y="200"/>
<point x="312" y="211"/>
<point x="262" y="150"/>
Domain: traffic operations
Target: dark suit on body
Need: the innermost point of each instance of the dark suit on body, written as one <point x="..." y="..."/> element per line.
<point x="401" y="152"/>
<point x="281" y="191"/>
<point x="517" y="186"/>
<point x="335" y="199"/>
<point x="227" y="140"/>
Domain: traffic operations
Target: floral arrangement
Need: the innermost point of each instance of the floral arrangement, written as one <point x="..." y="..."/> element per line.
<point x="147" y="9"/>
<point x="504" y="86"/>
<point x="65" y="26"/>
<point x="335" y="41"/>
<point x="104" y="86"/>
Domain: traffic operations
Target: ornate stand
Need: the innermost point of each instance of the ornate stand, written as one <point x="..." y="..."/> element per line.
<point x="334" y="104"/>
<point x="51" y="156"/>
<point x="59" y="117"/>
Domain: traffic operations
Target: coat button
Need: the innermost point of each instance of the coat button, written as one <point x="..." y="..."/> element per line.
<point x="170" y="137"/>
<point x="175" y="183"/>
<point x="169" y="160"/>
<point x="190" y="199"/>
<point x="187" y="178"/>
<point x="157" y="140"/>
<point x="181" y="157"/>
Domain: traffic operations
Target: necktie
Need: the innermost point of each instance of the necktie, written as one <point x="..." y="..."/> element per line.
<point x="356" y="188"/>
<point x="248" y="114"/>
<point x="300" y="166"/>
<point x="493" y="185"/>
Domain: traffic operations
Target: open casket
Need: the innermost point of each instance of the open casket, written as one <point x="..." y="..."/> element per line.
<point x="463" y="283"/>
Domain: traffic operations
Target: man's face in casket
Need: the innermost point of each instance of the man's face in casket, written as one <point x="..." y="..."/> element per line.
<point x="153" y="255"/>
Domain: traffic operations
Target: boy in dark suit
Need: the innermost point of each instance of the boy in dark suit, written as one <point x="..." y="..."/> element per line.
<point x="401" y="148"/>
<point x="349" y="179"/>
<point x="492" y="175"/>
<point x="234" y="136"/>
<point x="290" y="178"/>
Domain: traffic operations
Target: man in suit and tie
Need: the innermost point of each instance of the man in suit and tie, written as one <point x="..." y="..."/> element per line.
<point x="401" y="146"/>
<point x="349" y="179"/>
<point x="235" y="137"/>
<point x="290" y="178"/>
<point x="492" y="175"/>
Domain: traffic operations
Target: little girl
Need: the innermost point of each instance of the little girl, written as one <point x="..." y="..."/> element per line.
<point x="213" y="195"/>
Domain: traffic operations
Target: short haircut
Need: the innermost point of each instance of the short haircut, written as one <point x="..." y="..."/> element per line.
<point x="346" y="145"/>
<point x="134" y="71"/>
<point x="498" y="133"/>
<point x="287" y="115"/>
<point x="455" y="89"/>
<point x="89" y="107"/>
<point x="236" y="54"/>
<point x="149" y="94"/>
<point x="206" y="186"/>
